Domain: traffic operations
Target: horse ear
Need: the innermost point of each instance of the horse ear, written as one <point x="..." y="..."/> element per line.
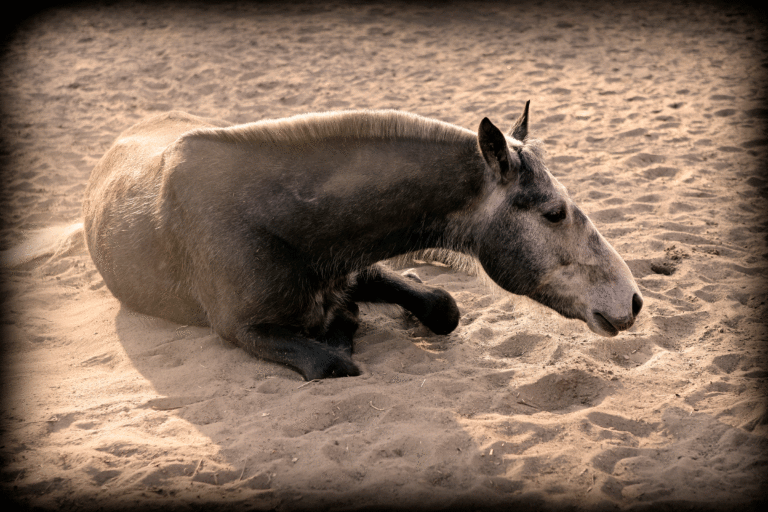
<point x="519" y="130"/>
<point x="493" y="145"/>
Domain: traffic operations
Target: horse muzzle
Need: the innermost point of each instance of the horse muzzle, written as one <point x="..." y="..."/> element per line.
<point x="608" y="323"/>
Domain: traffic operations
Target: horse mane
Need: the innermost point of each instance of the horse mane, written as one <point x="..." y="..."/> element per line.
<point x="358" y="124"/>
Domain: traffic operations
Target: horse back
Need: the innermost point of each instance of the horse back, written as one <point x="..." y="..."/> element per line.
<point x="141" y="145"/>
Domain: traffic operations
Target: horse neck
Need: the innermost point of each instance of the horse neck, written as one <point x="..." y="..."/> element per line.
<point x="428" y="207"/>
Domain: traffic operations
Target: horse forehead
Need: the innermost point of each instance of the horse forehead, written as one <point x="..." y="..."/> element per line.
<point x="559" y="187"/>
<point x="545" y="188"/>
<point x="544" y="176"/>
<point x="544" y="179"/>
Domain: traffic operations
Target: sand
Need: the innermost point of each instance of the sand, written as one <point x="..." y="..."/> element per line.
<point x="653" y="116"/>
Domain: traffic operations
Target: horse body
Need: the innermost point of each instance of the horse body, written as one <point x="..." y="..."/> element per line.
<point x="271" y="232"/>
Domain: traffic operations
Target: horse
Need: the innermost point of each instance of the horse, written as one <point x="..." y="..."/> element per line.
<point x="272" y="232"/>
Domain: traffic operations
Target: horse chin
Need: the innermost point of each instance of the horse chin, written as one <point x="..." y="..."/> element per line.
<point x="598" y="324"/>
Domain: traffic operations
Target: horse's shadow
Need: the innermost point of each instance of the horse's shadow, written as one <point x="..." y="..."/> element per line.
<point x="261" y="418"/>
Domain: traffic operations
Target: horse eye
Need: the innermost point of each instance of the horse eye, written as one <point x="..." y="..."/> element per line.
<point x="556" y="216"/>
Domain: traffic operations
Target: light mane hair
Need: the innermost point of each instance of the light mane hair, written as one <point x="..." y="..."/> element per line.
<point x="357" y="124"/>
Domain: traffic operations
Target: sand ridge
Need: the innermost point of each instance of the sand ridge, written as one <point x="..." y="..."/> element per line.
<point x="652" y="115"/>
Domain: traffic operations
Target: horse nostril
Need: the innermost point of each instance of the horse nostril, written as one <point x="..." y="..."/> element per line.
<point x="637" y="304"/>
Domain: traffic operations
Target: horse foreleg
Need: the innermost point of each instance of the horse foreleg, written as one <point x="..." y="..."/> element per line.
<point x="434" y="307"/>
<point x="313" y="359"/>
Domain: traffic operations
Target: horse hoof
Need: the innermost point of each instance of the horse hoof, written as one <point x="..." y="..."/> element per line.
<point x="443" y="315"/>
<point x="336" y="365"/>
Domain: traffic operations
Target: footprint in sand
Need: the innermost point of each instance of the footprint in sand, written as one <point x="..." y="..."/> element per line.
<point x="519" y="345"/>
<point x="621" y="424"/>
<point x="101" y="476"/>
<point x="110" y="360"/>
<point x="559" y="391"/>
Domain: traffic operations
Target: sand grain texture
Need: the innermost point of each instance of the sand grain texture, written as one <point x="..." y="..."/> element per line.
<point x="653" y="115"/>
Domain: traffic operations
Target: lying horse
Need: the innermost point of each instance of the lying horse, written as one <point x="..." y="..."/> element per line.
<point x="270" y="232"/>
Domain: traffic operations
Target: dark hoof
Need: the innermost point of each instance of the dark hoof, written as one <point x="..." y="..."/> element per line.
<point x="443" y="314"/>
<point x="336" y="364"/>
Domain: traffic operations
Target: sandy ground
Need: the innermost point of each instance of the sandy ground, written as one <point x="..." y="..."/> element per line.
<point x="653" y="115"/>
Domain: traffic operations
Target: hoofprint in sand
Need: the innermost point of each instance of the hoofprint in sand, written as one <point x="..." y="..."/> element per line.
<point x="651" y="116"/>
